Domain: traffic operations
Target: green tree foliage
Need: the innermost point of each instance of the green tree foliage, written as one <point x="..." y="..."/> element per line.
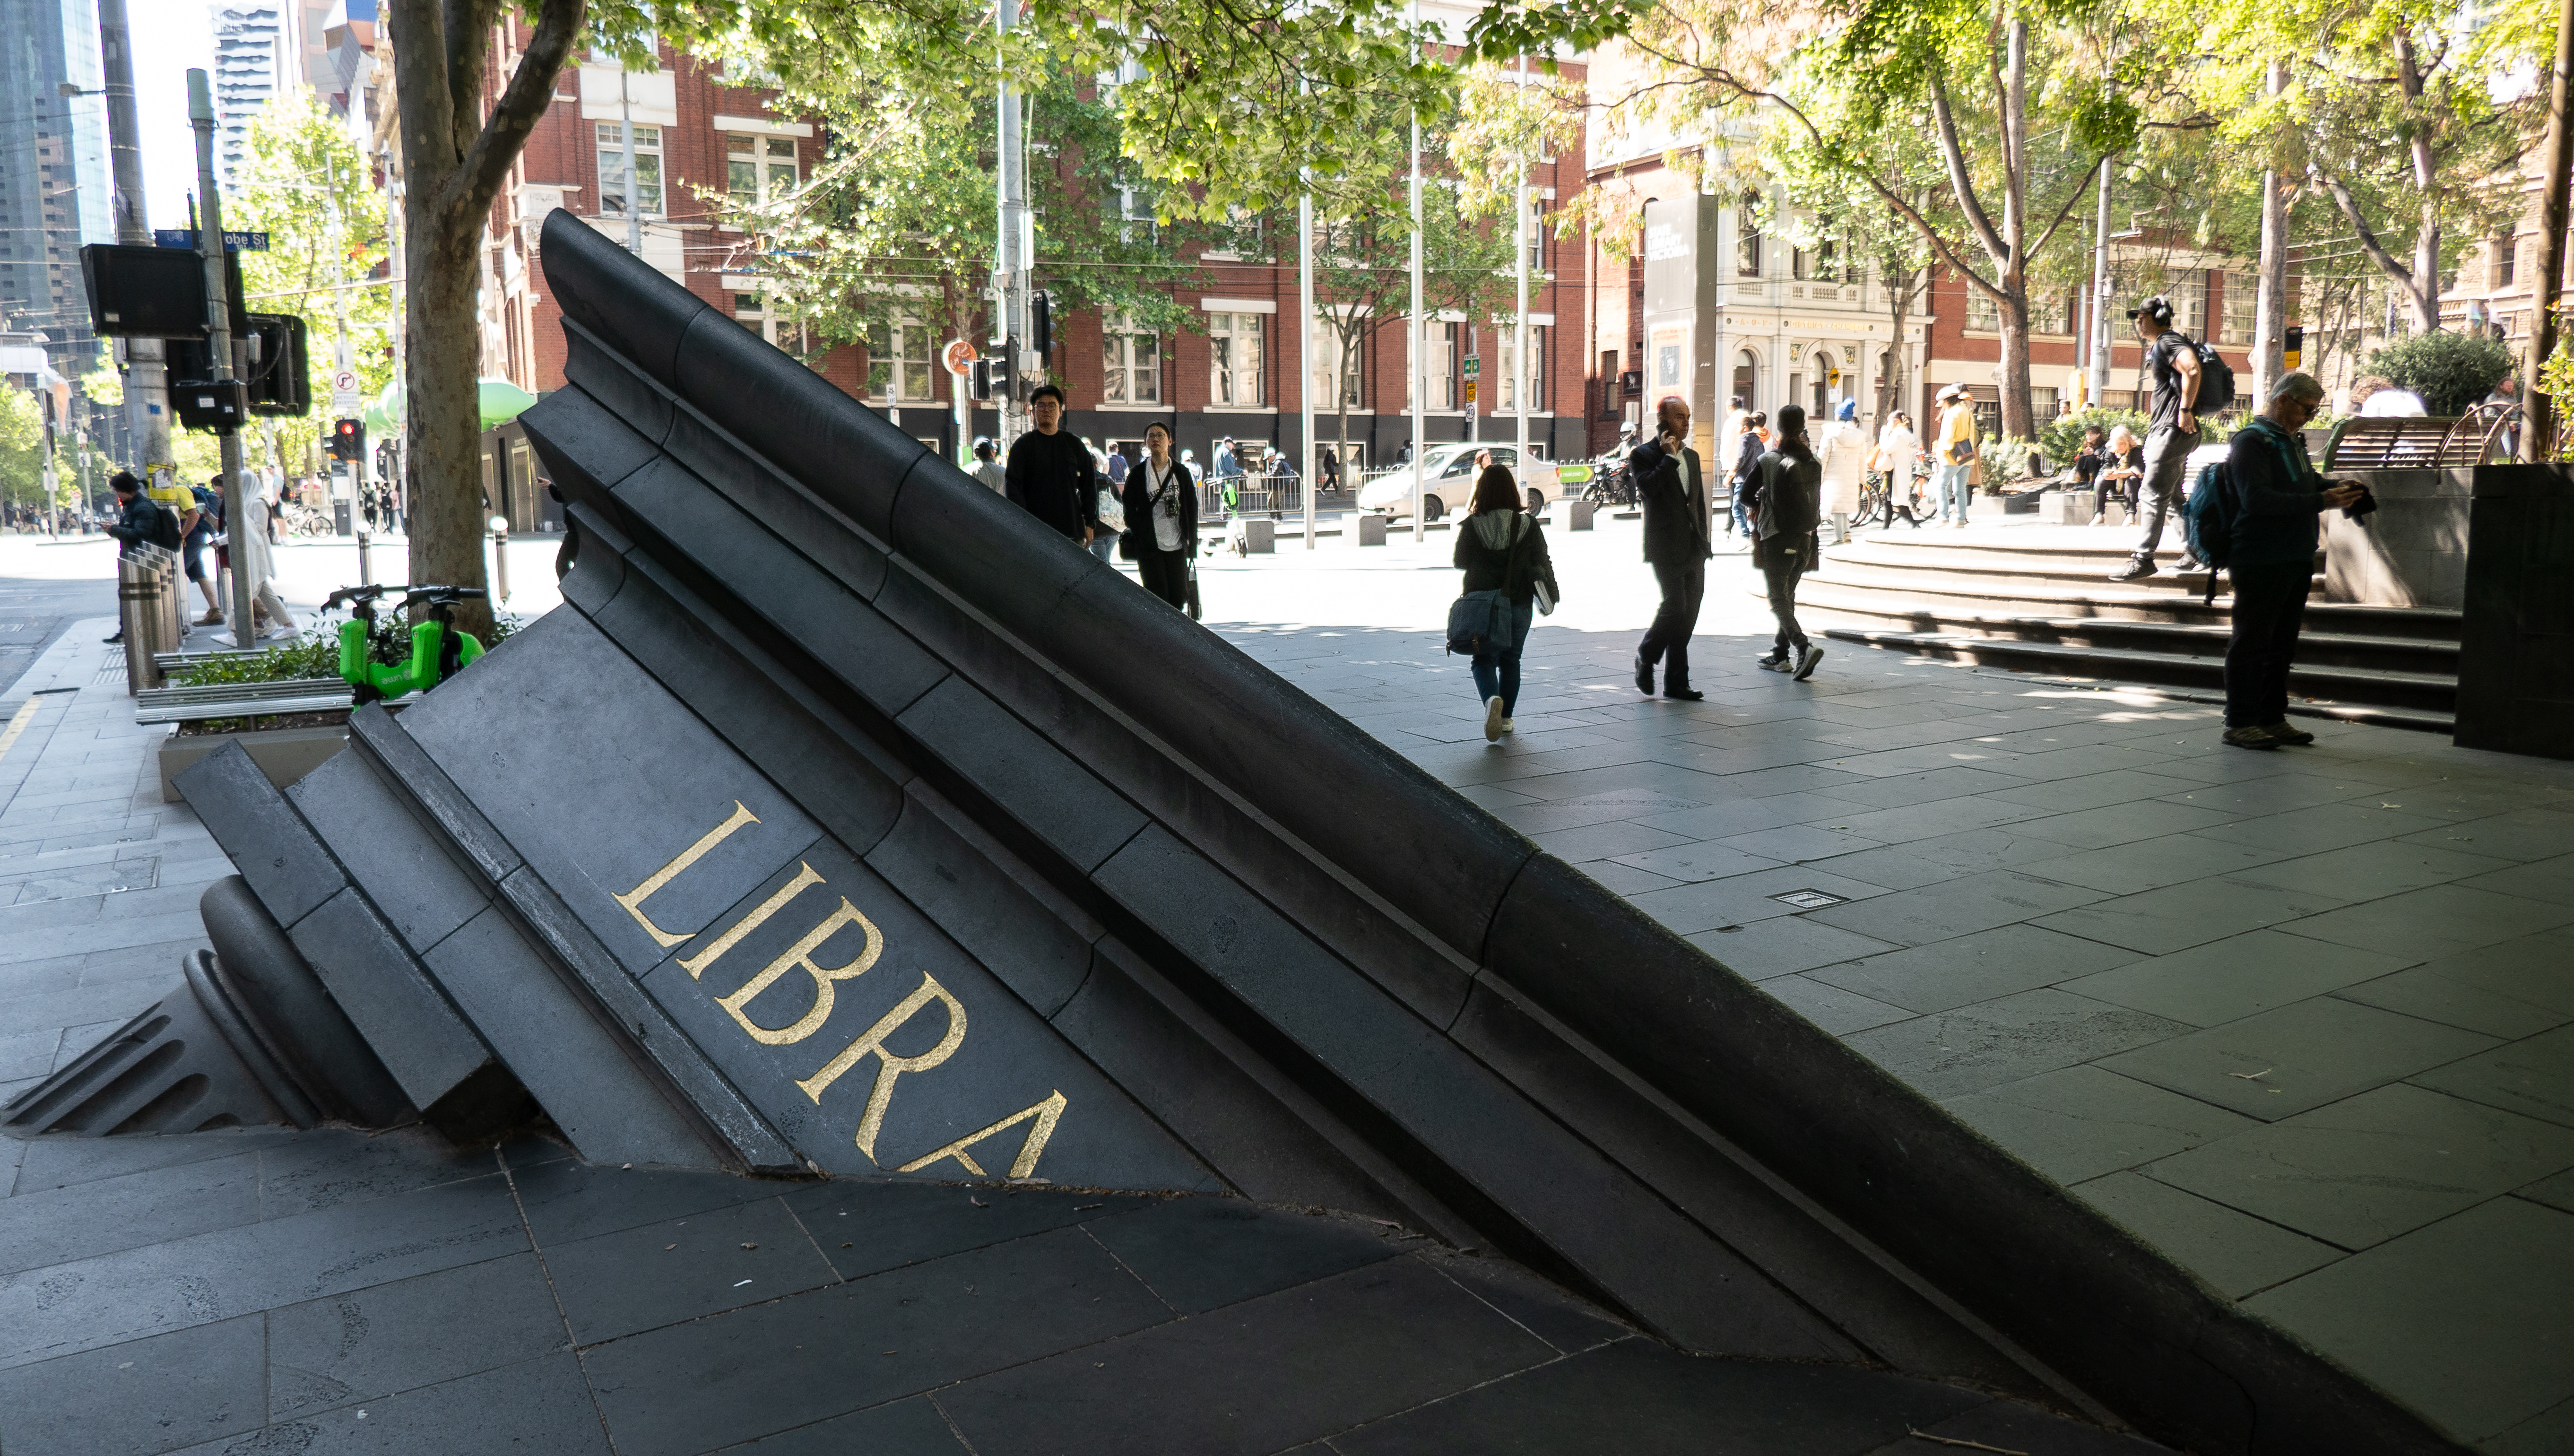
<point x="21" y="447"/>
<point x="2449" y="371"/>
<point x="2060" y="439"/>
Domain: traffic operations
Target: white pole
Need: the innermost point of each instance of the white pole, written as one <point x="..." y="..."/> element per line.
<point x="625" y="122"/>
<point x="219" y="338"/>
<point x="2100" y="297"/>
<point x="1520" y="335"/>
<point x="1305" y="353"/>
<point x="1420" y="339"/>
<point x="1012" y="261"/>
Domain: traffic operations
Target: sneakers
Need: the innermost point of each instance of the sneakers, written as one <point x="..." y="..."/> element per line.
<point x="1509" y="726"/>
<point x="113" y="641"/>
<point x="2189" y="565"/>
<point x="1681" y="695"/>
<point x="1805" y="662"/>
<point x="212" y="617"/>
<point x="2249" y="737"/>
<point x="1961" y="524"/>
<point x="1492" y="720"/>
<point x="1644" y="675"/>
<point x="2136" y="569"/>
<point x="1776" y="661"/>
<point x="2292" y="736"/>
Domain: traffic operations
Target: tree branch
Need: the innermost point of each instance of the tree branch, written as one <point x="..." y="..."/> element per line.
<point x="477" y="180"/>
<point x="2366" y="235"/>
<point x="1954" y="154"/>
<point x="2072" y="200"/>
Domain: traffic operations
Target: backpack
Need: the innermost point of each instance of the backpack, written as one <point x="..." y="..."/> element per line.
<point x="2207" y="520"/>
<point x="165" y="527"/>
<point x="2216" y="381"/>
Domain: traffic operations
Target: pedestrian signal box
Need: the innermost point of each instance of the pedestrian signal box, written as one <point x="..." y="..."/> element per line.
<point x="349" y="440"/>
<point x="2295" y="341"/>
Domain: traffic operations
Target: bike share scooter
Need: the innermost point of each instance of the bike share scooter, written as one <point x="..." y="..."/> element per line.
<point x="437" y="650"/>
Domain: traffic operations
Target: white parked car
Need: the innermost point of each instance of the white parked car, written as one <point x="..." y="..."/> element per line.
<point x="1449" y="472"/>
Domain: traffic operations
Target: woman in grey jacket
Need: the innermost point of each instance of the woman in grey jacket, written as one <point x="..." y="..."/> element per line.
<point x="1785" y="502"/>
<point x="1500" y="548"/>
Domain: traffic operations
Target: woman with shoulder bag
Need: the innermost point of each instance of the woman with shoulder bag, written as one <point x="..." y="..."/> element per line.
<point x="1790" y="483"/>
<point x="1161" y="534"/>
<point x="1502" y="549"/>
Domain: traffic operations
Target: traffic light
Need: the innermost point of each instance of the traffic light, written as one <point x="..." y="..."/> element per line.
<point x="1000" y="373"/>
<point x="349" y="440"/>
<point x="1041" y="325"/>
<point x="2294" y="345"/>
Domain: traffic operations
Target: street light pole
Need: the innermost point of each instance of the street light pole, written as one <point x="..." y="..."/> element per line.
<point x="1520" y="335"/>
<point x="1305" y="348"/>
<point x="2538" y="426"/>
<point x="219" y="333"/>
<point x="147" y="381"/>
<point x="2099" y="331"/>
<point x="1014" y="238"/>
<point x="625" y="124"/>
<point x="1420" y="335"/>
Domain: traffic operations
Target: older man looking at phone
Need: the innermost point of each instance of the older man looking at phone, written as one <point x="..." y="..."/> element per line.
<point x="2277" y="497"/>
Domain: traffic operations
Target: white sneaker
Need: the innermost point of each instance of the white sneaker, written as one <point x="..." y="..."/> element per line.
<point x="1805" y="662"/>
<point x="1492" y="719"/>
<point x="1509" y="726"/>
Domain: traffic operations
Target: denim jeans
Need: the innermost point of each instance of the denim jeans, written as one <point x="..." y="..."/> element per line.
<point x="1104" y="547"/>
<point x="1497" y="670"/>
<point x="1955" y="490"/>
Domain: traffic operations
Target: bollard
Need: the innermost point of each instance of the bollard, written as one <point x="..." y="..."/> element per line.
<point x="1579" y="513"/>
<point x="1255" y="536"/>
<point x="366" y="577"/>
<point x="1372" y="527"/>
<point x="501" y="558"/>
<point x="137" y="584"/>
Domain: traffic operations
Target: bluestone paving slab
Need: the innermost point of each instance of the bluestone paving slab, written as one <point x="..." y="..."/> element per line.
<point x="1784" y="944"/>
<point x="379" y="1341"/>
<point x="2464" y="1319"/>
<point x="568" y="1200"/>
<point x="2082" y="1121"/>
<point x="2230" y="1250"/>
<point x="2542" y="880"/>
<point x="1741" y="899"/>
<point x="1203" y="1253"/>
<point x="2362" y="1171"/>
<point x="1946" y="857"/>
<point x="2368" y="871"/>
<point x="535" y="1405"/>
<point x="2549" y="1432"/>
<point x="2303" y="1055"/>
<point x="1253" y="1377"/>
<point x="2555" y="1190"/>
<point x="304" y="1176"/>
<point x="772" y="1368"/>
<point x="2521" y="834"/>
<point x="1898" y="790"/>
<point x="2276" y="793"/>
<point x="1622" y="880"/>
<point x="914" y="1427"/>
<point x="1971" y="1048"/>
<point x="2462" y="798"/>
<point x="1956" y="908"/>
<point x="867" y="1228"/>
<point x="2443" y="919"/>
<point x="66" y="1308"/>
<point x="2322" y="826"/>
<point x="1636" y="1397"/>
<point x="661" y="1273"/>
<point x="29" y="1054"/>
<point x="1691" y="863"/>
<point x="1798" y="844"/>
<point x="1836" y="1010"/>
<point x="2238" y="976"/>
<point x="2533" y="1076"/>
<point x="2178" y="917"/>
<point x="1534" y="1305"/>
<point x="1744" y="815"/>
<point x="1602" y="841"/>
<point x="1929" y="821"/>
<point x="2010" y="1426"/>
<point x="60" y="1162"/>
<point x="139" y="1398"/>
<point x="57" y="1226"/>
<point x="1978" y="966"/>
<point x="2121" y="824"/>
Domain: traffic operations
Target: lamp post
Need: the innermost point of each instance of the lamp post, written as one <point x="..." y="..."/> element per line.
<point x="219" y="334"/>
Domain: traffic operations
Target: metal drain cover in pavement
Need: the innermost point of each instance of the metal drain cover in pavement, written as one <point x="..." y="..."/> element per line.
<point x="1808" y="900"/>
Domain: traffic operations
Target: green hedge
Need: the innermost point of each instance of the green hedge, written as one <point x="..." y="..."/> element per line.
<point x="2449" y="371"/>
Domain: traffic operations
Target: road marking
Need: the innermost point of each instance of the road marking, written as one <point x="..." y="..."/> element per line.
<point x="18" y="721"/>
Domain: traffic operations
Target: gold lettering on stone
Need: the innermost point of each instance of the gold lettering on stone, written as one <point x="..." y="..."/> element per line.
<point x="1048" y="1113"/>
<point x="804" y="880"/>
<point x="634" y="898"/>
<point x="799" y="956"/>
<point x="872" y="1044"/>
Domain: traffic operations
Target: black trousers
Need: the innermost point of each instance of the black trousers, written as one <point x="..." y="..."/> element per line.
<point x="2269" y="608"/>
<point x="1683" y="586"/>
<point x="1165" y="573"/>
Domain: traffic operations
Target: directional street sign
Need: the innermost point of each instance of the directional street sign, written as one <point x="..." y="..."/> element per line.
<point x="1474" y="365"/>
<point x="187" y="238"/>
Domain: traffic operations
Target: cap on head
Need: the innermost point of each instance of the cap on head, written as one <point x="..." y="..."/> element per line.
<point x="2158" y="309"/>
<point x="1952" y="392"/>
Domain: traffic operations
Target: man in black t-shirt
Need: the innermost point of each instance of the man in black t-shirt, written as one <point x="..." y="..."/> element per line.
<point x="1052" y="474"/>
<point x="2172" y="362"/>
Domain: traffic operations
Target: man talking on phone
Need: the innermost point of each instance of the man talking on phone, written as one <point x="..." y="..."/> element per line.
<point x="1673" y="485"/>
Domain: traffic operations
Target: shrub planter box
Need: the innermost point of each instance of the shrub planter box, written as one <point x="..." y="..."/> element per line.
<point x="285" y="754"/>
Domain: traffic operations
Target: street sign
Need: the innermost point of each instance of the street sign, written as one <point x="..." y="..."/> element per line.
<point x="1474" y="365"/>
<point x="345" y="398"/>
<point x="187" y="238"/>
<point x="345" y="382"/>
<point x="960" y="357"/>
<point x="1470" y="387"/>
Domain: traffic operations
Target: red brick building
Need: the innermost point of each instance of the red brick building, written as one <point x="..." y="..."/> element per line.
<point x="1240" y="373"/>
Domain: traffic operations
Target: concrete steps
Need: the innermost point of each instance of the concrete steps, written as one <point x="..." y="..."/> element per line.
<point x="2038" y="600"/>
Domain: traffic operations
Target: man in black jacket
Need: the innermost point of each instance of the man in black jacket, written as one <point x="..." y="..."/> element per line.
<point x="1673" y="485"/>
<point x="141" y="522"/>
<point x="1051" y="473"/>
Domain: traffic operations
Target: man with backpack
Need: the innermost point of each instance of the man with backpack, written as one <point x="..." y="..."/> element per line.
<point x="2184" y="383"/>
<point x="2256" y="517"/>
<point x="140" y="522"/>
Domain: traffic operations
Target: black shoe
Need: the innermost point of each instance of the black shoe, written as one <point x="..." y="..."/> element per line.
<point x="2136" y="569"/>
<point x="113" y="641"/>
<point x="1644" y="675"/>
<point x="1683" y="694"/>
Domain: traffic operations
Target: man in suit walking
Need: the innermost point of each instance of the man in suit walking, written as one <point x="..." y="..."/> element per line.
<point x="1673" y="483"/>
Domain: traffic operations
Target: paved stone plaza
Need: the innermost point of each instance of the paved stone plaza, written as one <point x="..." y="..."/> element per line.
<point x="2299" y="1018"/>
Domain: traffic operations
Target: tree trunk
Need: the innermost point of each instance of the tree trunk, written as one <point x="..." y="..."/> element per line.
<point x="2016" y="421"/>
<point x="2270" y="295"/>
<point x="443" y="424"/>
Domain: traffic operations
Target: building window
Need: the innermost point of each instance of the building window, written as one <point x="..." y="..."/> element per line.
<point x="1233" y="359"/>
<point x="2188" y="295"/>
<point x="612" y="170"/>
<point x="752" y="311"/>
<point x="1442" y="365"/>
<point x="1983" y="311"/>
<point x="2235" y="323"/>
<point x="1133" y="365"/>
<point x="1747" y="241"/>
<point x="1327" y="375"/>
<point x="898" y="365"/>
<point x="2506" y="254"/>
<point x="758" y="169"/>
<point x="1505" y="395"/>
<point x="1537" y="234"/>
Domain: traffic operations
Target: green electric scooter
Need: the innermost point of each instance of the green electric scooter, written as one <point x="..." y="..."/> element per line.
<point x="437" y="650"/>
